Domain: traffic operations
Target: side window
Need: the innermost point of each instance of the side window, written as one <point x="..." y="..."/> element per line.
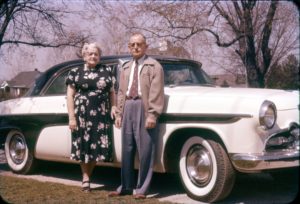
<point x="179" y="74"/>
<point x="58" y="85"/>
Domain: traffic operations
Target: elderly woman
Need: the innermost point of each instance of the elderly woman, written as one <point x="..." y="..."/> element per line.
<point x="91" y="105"/>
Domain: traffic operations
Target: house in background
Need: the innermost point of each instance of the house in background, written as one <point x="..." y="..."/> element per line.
<point x="19" y="85"/>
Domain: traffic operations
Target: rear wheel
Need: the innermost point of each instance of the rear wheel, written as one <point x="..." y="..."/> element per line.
<point x="205" y="170"/>
<point x="19" y="158"/>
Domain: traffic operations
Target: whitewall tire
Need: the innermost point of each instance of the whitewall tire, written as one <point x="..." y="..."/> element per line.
<point x="205" y="170"/>
<point x="19" y="158"/>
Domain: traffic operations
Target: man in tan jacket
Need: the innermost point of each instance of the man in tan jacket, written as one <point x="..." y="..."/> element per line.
<point x="140" y="102"/>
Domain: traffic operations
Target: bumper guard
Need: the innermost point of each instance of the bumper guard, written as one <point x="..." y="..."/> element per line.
<point x="281" y="155"/>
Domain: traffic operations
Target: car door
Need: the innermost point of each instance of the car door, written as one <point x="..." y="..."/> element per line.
<point x="54" y="140"/>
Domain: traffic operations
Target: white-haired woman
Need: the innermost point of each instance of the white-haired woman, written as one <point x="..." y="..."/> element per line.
<point x="91" y="106"/>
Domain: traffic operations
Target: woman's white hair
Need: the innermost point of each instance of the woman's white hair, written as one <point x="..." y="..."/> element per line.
<point x="86" y="46"/>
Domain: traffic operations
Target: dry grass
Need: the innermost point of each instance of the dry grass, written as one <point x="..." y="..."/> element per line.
<point x="22" y="190"/>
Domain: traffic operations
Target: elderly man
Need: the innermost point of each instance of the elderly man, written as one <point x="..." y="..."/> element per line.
<point x="140" y="102"/>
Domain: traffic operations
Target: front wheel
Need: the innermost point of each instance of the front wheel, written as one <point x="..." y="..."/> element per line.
<point x="19" y="158"/>
<point x="205" y="170"/>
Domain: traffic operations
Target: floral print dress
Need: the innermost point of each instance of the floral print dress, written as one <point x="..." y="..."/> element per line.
<point x="92" y="141"/>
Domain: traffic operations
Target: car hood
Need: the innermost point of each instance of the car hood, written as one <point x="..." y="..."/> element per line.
<point x="226" y="100"/>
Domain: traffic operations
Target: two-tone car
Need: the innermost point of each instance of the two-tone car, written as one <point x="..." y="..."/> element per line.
<point x="207" y="133"/>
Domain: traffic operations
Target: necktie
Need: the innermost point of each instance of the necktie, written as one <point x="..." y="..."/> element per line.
<point x="133" y="92"/>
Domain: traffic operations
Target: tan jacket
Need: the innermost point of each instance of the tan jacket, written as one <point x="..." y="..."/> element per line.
<point x="151" y="84"/>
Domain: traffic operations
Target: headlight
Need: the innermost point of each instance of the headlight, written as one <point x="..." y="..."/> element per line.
<point x="267" y="114"/>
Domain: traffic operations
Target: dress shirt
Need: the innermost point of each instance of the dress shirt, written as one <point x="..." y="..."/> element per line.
<point x="141" y="63"/>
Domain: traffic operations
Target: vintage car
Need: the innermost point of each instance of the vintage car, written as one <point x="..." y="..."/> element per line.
<point x="207" y="133"/>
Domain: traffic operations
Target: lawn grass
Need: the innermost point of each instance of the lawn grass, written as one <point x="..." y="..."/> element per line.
<point x="21" y="190"/>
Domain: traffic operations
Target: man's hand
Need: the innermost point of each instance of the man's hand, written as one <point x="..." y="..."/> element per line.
<point x="118" y="122"/>
<point x="150" y="123"/>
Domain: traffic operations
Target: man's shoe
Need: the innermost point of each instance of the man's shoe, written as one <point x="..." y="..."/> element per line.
<point x="122" y="193"/>
<point x="114" y="194"/>
<point x="139" y="196"/>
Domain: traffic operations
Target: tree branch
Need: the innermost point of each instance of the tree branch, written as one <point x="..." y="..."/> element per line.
<point x="35" y="23"/>
<point x="41" y="44"/>
<point x="266" y="33"/>
<point x="227" y="18"/>
<point x="238" y="10"/>
<point x="224" y="44"/>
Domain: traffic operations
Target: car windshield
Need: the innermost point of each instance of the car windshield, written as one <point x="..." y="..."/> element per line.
<point x="185" y="74"/>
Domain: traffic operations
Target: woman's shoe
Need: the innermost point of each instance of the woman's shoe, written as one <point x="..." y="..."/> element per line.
<point x="86" y="186"/>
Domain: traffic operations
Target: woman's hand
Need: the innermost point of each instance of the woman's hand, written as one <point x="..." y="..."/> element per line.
<point x="72" y="124"/>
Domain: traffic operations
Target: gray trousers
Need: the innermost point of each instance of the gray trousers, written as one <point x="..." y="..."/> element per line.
<point x="136" y="137"/>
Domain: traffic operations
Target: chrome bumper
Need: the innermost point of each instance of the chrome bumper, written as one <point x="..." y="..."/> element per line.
<point x="281" y="151"/>
<point x="265" y="161"/>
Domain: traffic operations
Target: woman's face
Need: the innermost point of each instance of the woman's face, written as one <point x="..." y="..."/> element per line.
<point x="92" y="57"/>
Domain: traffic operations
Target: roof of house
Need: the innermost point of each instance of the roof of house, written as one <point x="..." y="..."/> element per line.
<point x="24" y="79"/>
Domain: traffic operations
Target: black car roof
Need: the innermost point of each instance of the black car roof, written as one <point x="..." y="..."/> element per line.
<point x="39" y="83"/>
<point x="115" y="57"/>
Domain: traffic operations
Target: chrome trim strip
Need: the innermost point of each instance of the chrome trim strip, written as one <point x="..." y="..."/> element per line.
<point x="268" y="160"/>
<point x="202" y="118"/>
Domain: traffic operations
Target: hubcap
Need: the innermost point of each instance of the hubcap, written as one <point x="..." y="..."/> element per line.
<point x="17" y="149"/>
<point x="199" y="165"/>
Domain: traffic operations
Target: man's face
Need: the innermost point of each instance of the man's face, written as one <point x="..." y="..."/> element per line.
<point x="137" y="46"/>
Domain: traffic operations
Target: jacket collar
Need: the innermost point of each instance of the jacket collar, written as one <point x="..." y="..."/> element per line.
<point x="146" y="60"/>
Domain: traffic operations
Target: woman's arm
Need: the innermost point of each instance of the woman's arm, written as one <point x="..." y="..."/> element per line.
<point x="70" y="105"/>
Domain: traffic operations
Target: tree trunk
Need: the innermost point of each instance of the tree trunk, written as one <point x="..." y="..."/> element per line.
<point x="247" y="48"/>
<point x="254" y="77"/>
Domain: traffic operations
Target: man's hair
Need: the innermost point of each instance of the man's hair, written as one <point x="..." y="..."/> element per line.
<point x="139" y="34"/>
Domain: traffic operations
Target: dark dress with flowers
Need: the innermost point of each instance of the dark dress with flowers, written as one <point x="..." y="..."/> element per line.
<point x="93" y="139"/>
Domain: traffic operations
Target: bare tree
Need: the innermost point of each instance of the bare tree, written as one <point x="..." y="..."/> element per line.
<point x="35" y="23"/>
<point x="112" y="16"/>
<point x="260" y="33"/>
